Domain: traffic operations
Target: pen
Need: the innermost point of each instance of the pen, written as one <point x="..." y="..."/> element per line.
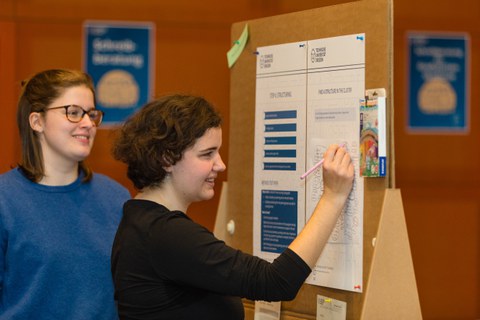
<point x="319" y="163"/>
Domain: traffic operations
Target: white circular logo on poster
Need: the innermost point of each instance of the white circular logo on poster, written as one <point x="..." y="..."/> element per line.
<point x="118" y="89"/>
<point x="437" y="96"/>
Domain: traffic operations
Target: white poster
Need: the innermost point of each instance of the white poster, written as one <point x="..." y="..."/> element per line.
<point x="279" y="147"/>
<point x="308" y="96"/>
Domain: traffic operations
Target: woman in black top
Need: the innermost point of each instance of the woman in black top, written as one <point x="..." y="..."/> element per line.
<point x="164" y="265"/>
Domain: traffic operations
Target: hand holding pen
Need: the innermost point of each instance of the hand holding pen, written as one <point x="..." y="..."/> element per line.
<point x="317" y="165"/>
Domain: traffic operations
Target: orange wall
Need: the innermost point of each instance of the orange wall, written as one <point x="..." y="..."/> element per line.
<point x="8" y="128"/>
<point x="439" y="175"/>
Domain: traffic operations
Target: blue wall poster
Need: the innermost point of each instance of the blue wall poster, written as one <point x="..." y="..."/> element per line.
<point x="438" y="83"/>
<point x="120" y="58"/>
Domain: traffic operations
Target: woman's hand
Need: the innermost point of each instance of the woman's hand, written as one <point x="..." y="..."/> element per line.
<point x="338" y="173"/>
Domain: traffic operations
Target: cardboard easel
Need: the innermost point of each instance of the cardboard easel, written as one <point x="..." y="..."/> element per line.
<point x="390" y="290"/>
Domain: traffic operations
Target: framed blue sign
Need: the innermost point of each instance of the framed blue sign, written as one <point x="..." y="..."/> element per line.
<point x="438" y="83"/>
<point x="119" y="56"/>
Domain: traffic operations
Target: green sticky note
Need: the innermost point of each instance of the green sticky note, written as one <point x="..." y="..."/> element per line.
<point x="238" y="46"/>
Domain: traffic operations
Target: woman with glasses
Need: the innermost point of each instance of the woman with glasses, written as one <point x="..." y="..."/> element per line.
<point x="57" y="218"/>
<point x="166" y="266"/>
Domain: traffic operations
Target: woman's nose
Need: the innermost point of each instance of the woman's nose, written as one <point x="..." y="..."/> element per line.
<point x="220" y="165"/>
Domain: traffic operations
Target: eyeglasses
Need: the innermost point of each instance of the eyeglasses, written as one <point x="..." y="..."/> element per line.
<point x="76" y="113"/>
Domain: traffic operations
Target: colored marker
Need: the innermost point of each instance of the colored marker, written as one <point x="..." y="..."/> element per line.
<point x="319" y="163"/>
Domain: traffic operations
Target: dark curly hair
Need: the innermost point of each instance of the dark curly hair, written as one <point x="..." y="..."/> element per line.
<point x="158" y="134"/>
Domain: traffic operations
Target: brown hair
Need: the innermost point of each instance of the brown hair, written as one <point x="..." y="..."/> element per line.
<point x="37" y="93"/>
<point x="159" y="133"/>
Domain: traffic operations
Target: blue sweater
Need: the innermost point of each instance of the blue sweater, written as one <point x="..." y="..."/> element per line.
<point x="55" y="245"/>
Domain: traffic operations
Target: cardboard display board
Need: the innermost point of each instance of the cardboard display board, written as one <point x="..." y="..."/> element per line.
<point x="374" y="18"/>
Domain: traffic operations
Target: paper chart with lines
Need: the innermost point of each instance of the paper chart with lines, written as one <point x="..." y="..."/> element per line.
<point x="307" y="97"/>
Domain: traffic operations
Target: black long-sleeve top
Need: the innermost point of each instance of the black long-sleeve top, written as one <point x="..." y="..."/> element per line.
<point x="165" y="266"/>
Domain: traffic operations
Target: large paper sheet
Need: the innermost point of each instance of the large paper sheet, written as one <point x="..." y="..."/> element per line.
<point x="307" y="97"/>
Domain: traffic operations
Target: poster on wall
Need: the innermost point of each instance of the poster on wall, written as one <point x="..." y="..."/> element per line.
<point x="120" y="58"/>
<point x="438" y="83"/>
<point x="307" y="97"/>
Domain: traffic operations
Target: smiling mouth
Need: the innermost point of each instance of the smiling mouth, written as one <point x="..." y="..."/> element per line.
<point x="82" y="137"/>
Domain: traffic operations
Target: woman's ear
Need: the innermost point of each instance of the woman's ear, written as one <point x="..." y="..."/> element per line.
<point x="168" y="162"/>
<point x="36" y="121"/>
<point x="168" y="169"/>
